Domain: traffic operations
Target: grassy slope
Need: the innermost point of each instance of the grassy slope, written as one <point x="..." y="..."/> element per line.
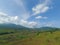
<point x="26" y="37"/>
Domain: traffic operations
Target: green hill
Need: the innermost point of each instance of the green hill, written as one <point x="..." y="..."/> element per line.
<point x="29" y="36"/>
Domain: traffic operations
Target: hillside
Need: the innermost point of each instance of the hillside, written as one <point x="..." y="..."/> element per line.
<point x="25" y="36"/>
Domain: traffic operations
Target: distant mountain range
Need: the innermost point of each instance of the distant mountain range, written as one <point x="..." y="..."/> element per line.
<point x="11" y="26"/>
<point x="14" y="26"/>
<point x="47" y="29"/>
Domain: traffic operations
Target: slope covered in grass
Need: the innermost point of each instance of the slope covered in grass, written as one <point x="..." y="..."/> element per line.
<point x="29" y="37"/>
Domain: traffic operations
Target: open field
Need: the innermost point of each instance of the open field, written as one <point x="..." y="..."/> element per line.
<point x="29" y="37"/>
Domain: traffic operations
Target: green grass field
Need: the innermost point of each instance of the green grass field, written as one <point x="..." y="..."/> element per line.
<point x="27" y="37"/>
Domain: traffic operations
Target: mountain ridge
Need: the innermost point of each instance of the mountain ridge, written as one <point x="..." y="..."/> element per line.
<point x="11" y="26"/>
<point x="20" y="27"/>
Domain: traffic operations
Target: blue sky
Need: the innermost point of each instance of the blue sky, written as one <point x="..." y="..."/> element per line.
<point x="30" y="13"/>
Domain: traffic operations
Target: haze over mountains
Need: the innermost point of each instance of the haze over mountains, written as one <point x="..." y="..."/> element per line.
<point x="14" y="26"/>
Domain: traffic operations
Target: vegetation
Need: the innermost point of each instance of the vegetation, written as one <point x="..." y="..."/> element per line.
<point x="29" y="36"/>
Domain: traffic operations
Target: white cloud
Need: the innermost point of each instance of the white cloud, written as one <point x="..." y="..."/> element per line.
<point x="30" y="24"/>
<point x="38" y="17"/>
<point x="41" y="8"/>
<point x="1" y="13"/>
<point x="24" y="14"/>
<point x="23" y="22"/>
<point x="41" y="17"/>
<point x="44" y="9"/>
<point x="5" y="18"/>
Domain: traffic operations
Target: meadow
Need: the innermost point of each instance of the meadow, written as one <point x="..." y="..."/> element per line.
<point x="29" y="37"/>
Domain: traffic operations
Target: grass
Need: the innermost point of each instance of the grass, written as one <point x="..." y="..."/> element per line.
<point x="27" y="37"/>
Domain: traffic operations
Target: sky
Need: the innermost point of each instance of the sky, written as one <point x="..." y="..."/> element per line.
<point x="30" y="13"/>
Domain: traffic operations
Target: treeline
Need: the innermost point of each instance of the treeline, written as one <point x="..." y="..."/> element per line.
<point x="4" y="33"/>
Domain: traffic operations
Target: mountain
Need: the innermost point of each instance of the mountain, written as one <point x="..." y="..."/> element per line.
<point x="20" y="27"/>
<point x="46" y="29"/>
<point x="11" y="26"/>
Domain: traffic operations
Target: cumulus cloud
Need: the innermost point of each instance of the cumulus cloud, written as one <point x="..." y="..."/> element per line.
<point x="41" y="8"/>
<point x="41" y="17"/>
<point x="1" y="13"/>
<point x="30" y="24"/>
<point x="22" y="18"/>
<point x="5" y="18"/>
